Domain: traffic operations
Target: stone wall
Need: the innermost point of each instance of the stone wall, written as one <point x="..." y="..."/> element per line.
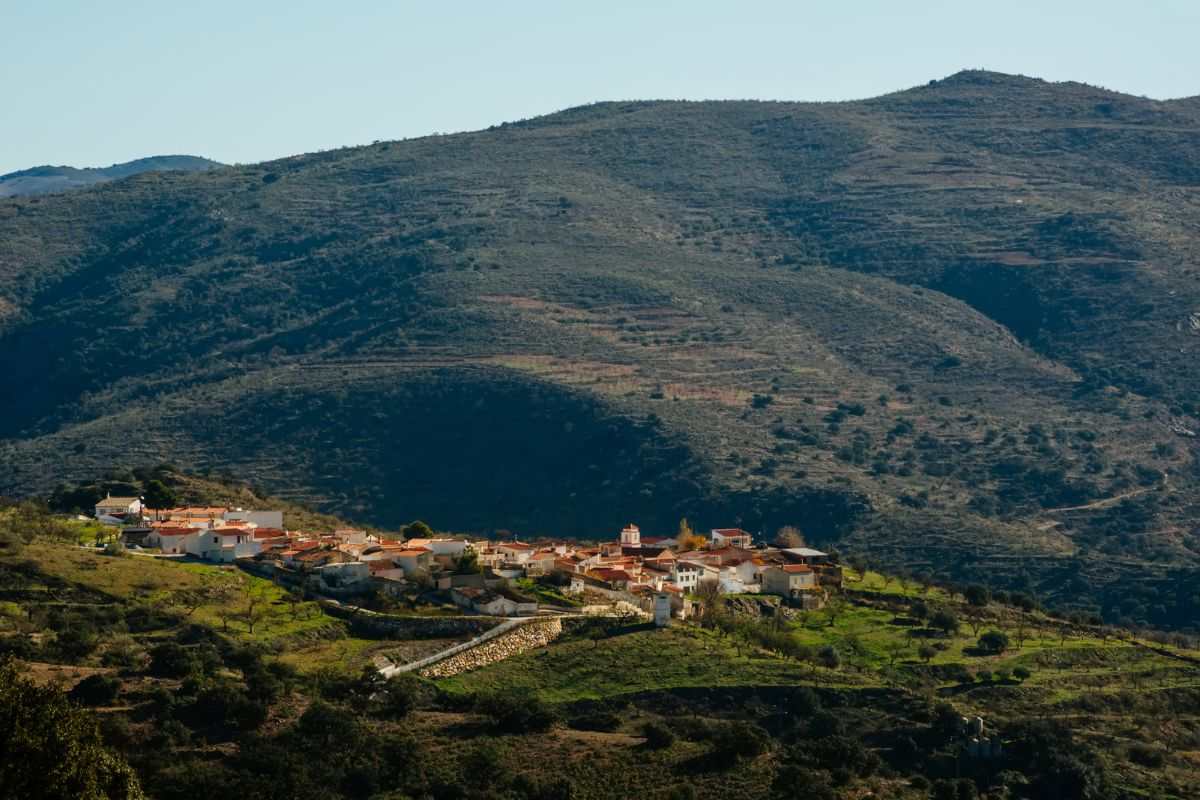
<point x="387" y="626"/>
<point x="528" y="636"/>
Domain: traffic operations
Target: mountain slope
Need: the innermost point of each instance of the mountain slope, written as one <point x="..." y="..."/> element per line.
<point x="48" y="179"/>
<point x="934" y="324"/>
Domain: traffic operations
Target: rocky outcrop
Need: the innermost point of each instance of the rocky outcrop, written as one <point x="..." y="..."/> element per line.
<point x="531" y="635"/>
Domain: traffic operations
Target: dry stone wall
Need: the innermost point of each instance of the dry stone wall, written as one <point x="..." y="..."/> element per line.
<point x="528" y="636"/>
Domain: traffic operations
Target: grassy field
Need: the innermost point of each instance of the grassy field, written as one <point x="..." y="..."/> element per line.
<point x="216" y="596"/>
<point x="637" y="661"/>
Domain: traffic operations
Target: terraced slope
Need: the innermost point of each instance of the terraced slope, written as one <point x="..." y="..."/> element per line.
<point x="955" y="325"/>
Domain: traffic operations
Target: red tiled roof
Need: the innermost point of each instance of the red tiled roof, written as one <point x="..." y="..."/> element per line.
<point x="731" y="531"/>
<point x="795" y="568"/>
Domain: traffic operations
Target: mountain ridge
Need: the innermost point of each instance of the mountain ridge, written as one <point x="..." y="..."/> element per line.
<point x="46" y="178"/>
<point x="916" y="325"/>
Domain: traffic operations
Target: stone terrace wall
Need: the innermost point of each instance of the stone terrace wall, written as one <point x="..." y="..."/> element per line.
<point x="528" y="636"/>
<point x="387" y="626"/>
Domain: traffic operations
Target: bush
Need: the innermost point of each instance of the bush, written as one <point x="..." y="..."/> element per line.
<point x="1021" y="673"/>
<point x="605" y="721"/>
<point x="96" y="690"/>
<point x="1146" y="755"/>
<point x="739" y="740"/>
<point x="658" y="736"/>
<point x="993" y="642"/>
<point x="945" y="621"/>
<point x="400" y="696"/>
<point x="171" y="660"/>
<point x="517" y="711"/>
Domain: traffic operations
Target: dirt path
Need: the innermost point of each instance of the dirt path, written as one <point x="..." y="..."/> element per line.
<point x="1101" y="503"/>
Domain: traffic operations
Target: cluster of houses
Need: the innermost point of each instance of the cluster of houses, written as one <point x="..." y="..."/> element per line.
<point x="476" y="574"/>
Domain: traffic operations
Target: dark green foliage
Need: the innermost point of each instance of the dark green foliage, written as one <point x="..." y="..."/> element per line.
<point x="158" y="495"/>
<point x="96" y="690"/>
<point x="1147" y="755"/>
<point x="605" y="721"/>
<point x="944" y="620"/>
<point x="993" y="642"/>
<point x="50" y="749"/>
<point x="172" y="660"/>
<point x="977" y="595"/>
<point x="735" y="741"/>
<point x="400" y="696"/>
<point x="517" y="711"/>
<point x="658" y="736"/>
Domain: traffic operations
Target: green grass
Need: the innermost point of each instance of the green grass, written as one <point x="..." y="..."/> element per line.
<point x="545" y="594"/>
<point x="216" y="596"/>
<point x="680" y="656"/>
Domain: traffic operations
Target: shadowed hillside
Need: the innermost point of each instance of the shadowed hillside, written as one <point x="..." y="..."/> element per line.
<point x="955" y="325"/>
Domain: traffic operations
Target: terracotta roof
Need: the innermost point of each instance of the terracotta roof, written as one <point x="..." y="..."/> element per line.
<point x="796" y="568"/>
<point x="731" y="531"/>
<point x="515" y="545"/>
<point x="416" y="551"/>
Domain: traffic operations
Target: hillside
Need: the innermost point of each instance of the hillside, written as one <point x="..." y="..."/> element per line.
<point x="955" y="326"/>
<point x="47" y="179"/>
<point x="207" y="680"/>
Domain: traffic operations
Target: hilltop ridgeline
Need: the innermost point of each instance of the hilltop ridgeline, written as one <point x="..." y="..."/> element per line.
<point x="955" y="325"/>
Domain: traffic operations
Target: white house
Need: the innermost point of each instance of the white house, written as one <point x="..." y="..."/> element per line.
<point x="223" y="545"/>
<point x="414" y="561"/>
<point x="730" y="537"/>
<point x="263" y="519"/>
<point x="789" y="580"/>
<point x="171" y="540"/>
<point x="345" y="575"/>
<point x="515" y="552"/>
<point x="115" y="510"/>
<point x="686" y="575"/>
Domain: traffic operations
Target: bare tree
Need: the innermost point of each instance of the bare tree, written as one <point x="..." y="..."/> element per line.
<point x="256" y="605"/>
<point x="789" y="536"/>
<point x="834" y="606"/>
<point x="709" y="592"/>
<point x="896" y="650"/>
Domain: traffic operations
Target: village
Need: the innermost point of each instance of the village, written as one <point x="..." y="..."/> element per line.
<point x="661" y="576"/>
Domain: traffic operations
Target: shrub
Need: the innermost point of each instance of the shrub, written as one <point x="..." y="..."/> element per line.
<point x="945" y="621"/>
<point x="658" y="736"/>
<point x="1146" y="755"/>
<point x="993" y="642"/>
<point x="599" y="721"/>
<point x="171" y="660"/>
<point x="1021" y="673"/>
<point x="96" y="690"/>
<point x="517" y="711"/>
<point x="739" y="740"/>
<point x="400" y="696"/>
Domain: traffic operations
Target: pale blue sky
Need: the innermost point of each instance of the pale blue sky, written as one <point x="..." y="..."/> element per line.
<point x="92" y="83"/>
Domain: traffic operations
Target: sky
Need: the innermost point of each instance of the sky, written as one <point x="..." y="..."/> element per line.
<point x="91" y="83"/>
